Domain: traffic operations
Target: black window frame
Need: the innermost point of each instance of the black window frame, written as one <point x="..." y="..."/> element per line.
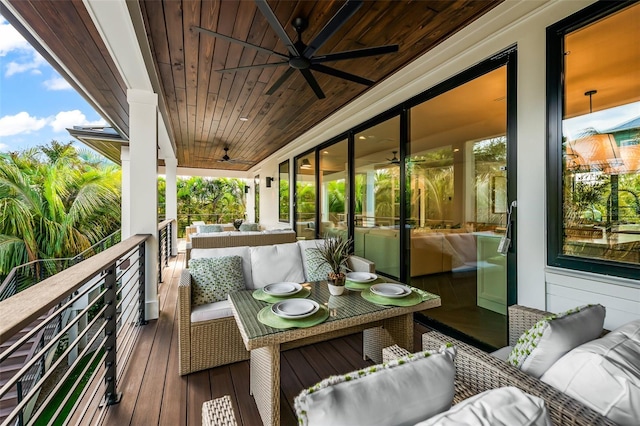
<point x="555" y="108"/>
<point x="284" y="164"/>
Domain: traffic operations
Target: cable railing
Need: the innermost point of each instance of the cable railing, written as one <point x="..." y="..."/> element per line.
<point x="24" y="276"/>
<point x="86" y="324"/>
<point x="166" y="228"/>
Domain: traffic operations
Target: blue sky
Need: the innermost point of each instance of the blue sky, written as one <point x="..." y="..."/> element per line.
<point x="36" y="104"/>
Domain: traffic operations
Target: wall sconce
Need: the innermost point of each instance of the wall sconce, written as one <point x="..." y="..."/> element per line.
<point x="246" y="189"/>
<point x="269" y="180"/>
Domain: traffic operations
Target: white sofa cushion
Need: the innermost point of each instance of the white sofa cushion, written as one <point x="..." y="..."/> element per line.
<point x="604" y="374"/>
<point x="214" y="278"/>
<point x="401" y="392"/>
<point x="211" y="311"/>
<point x="503" y="353"/>
<point x="276" y="263"/>
<point x="243" y="252"/>
<point x="552" y="337"/>
<point x="507" y="406"/>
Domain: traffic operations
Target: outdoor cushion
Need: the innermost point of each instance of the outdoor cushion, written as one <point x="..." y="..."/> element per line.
<point x="215" y="310"/>
<point x="198" y="222"/>
<point x="507" y="406"/>
<point x="552" y="337"/>
<point x="243" y="252"/>
<point x="503" y="353"/>
<point x="304" y="245"/>
<point x="214" y="278"/>
<point x="276" y="263"/>
<point x="249" y="227"/>
<point x="315" y="265"/>
<point x="400" y="392"/>
<point x="204" y="229"/>
<point x="604" y="374"/>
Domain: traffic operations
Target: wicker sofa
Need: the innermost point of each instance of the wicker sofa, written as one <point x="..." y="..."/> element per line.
<point x="478" y="371"/>
<point x="240" y="238"/>
<point x="208" y="335"/>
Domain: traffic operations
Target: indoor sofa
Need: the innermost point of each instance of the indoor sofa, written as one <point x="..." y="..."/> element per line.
<point x="208" y="334"/>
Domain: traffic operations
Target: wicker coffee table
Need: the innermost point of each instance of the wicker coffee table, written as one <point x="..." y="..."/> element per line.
<point x="348" y="314"/>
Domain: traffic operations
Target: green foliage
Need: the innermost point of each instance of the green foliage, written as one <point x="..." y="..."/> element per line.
<point x="211" y="200"/>
<point x="335" y="252"/>
<point x="54" y="203"/>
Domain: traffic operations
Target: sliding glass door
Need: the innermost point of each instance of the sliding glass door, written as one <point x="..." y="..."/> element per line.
<point x="456" y="164"/>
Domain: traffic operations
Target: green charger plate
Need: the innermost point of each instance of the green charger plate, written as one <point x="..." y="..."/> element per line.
<point x="259" y="294"/>
<point x="352" y="285"/>
<point x="267" y="317"/>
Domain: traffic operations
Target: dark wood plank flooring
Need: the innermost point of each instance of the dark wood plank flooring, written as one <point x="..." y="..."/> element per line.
<point x="153" y="393"/>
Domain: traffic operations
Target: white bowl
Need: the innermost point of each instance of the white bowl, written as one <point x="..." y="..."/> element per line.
<point x="295" y="308"/>
<point x="390" y="290"/>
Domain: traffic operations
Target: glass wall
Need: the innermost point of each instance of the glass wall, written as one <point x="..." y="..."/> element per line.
<point x="457" y="204"/>
<point x="334" y="189"/>
<point x="601" y="140"/>
<point x="305" y="169"/>
<point x="377" y="192"/>
<point x="283" y="191"/>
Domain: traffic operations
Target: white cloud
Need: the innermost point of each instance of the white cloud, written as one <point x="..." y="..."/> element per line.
<point x="68" y="119"/>
<point x="22" y="122"/>
<point x="27" y="64"/>
<point x="57" y="83"/>
<point x="4" y="147"/>
<point x="11" y="40"/>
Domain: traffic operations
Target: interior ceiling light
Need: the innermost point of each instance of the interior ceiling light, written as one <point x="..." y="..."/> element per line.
<point x="325" y="152"/>
<point x="306" y="165"/>
<point x="244" y="119"/>
<point x="362" y="137"/>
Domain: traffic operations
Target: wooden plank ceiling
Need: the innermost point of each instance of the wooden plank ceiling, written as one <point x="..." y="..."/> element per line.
<point x="205" y="106"/>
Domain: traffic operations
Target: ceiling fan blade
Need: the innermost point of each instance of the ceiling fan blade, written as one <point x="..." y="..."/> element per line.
<point x="358" y="53"/>
<point x="275" y="25"/>
<point x="240" y="42"/>
<point x="281" y="80"/>
<point x="313" y="83"/>
<point x="338" y="20"/>
<point x="250" y="67"/>
<point x="341" y="74"/>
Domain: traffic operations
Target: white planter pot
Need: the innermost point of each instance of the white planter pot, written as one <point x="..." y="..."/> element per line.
<point x="335" y="290"/>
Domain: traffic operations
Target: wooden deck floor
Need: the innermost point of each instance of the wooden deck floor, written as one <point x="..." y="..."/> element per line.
<point x="153" y="393"/>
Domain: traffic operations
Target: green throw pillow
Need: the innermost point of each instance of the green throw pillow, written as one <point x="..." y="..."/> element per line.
<point x="249" y="227"/>
<point x="214" y="278"/>
<point x="317" y="269"/>
<point x="205" y="229"/>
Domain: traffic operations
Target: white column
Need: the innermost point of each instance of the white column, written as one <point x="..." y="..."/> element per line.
<point x="143" y="177"/>
<point x="171" y="199"/>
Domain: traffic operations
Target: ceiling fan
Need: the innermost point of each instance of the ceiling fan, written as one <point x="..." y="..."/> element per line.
<point x="395" y="159"/>
<point x="226" y="159"/>
<point x="300" y="55"/>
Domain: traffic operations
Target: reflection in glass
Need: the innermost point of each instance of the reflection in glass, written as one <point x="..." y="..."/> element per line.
<point x="333" y="189"/>
<point x="456" y="194"/>
<point x="306" y="196"/>
<point x="283" y="190"/>
<point x="601" y="140"/>
<point x="377" y="191"/>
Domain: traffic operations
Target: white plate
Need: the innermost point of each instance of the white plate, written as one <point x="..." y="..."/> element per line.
<point x="295" y="308"/>
<point x="282" y="289"/>
<point x="361" y="277"/>
<point x="390" y="290"/>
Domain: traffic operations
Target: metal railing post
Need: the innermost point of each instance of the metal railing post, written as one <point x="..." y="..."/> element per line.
<point x="111" y="396"/>
<point x="141" y="283"/>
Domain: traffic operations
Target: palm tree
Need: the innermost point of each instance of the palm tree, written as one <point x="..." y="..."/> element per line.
<point x="53" y="204"/>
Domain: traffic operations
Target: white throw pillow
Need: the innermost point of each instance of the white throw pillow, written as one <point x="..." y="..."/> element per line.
<point x="552" y="337"/>
<point x="507" y="406"/>
<point x="604" y="374"/>
<point x="276" y="263"/>
<point x="400" y="393"/>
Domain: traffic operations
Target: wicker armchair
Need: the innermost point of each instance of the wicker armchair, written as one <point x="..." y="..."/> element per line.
<point x="478" y="371"/>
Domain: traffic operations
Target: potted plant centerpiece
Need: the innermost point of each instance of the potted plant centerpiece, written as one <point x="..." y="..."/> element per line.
<point x="334" y="254"/>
